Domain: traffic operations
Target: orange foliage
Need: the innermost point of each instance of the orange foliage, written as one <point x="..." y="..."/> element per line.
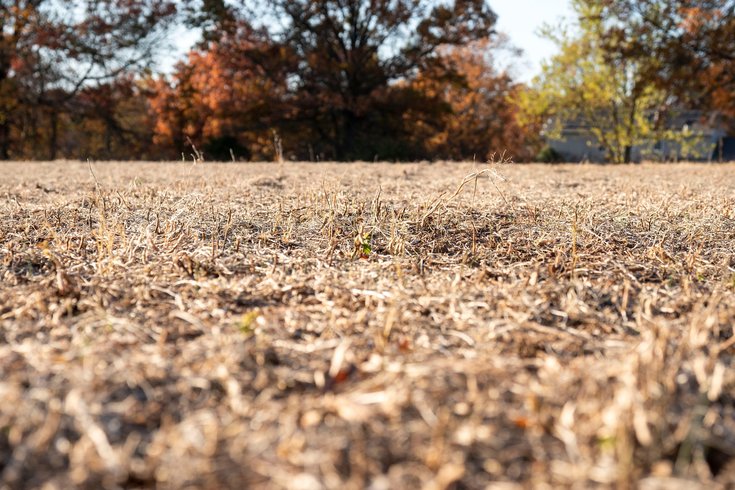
<point x="215" y="99"/>
<point x="722" y="95"/>
<point x="695" y="18"/>
<point x="482" y="119"/>
<point x="710" y="29"/>
<point x="222" y="100"/>
<point x="51" y="51"/>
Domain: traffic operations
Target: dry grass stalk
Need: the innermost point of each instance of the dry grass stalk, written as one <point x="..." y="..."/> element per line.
<point x="346" y="326"/>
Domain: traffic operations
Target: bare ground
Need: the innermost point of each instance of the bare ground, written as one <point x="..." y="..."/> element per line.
<point x="366" y="325"/>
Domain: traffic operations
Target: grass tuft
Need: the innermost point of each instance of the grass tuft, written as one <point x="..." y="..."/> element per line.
<point x="348" y="326"/>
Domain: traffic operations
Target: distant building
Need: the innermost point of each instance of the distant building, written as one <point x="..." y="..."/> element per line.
<point x="710" y="142"/>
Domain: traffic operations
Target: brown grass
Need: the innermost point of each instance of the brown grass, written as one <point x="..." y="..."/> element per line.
<point x="350" y="326"/>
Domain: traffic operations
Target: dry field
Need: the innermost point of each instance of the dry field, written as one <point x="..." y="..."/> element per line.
<point x="370" y="325"/>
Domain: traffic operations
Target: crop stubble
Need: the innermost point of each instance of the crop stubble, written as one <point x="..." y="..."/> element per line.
<point x="344" y="326"/>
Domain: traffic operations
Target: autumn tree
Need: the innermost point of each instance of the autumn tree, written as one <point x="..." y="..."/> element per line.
<point x="688" y="44"/>
<point x="50" y="50"/>
<point x="482" y="119"/>
<point x="606" y="89"/>
<point x="221" y="99"/>
<point x="343" y="58"/>
<point x="109" y="120"/>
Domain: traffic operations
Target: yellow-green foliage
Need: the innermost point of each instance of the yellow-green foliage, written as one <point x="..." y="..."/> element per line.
<point x="613" y="94"/>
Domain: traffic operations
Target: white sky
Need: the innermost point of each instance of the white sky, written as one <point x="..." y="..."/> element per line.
<point x="519" y="19"/>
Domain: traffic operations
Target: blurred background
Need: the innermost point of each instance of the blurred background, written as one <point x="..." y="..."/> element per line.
<point x="397" y="80"/>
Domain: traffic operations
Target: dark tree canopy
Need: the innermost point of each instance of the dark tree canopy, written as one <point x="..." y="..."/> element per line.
<point x="344" y="79"/>
<point x="344" y="62"/>
<point x="50" y="49"/>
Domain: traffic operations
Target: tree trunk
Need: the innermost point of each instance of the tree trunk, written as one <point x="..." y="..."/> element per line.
<point x="631" y="130"/>
<point x="338" y="137"/>
<point x="721" y="147"/>
<point x="53" y="135"/>
<point x="108" y="138"/>
<point x="349" y="133"/>
<point x="4" y="123"/>
<point x="5" y="140"/>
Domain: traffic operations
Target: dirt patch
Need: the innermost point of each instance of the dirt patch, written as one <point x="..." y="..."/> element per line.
<point x="367" y="325"/>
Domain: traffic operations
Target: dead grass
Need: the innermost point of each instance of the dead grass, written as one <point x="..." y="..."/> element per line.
<point x="351" y="326"/>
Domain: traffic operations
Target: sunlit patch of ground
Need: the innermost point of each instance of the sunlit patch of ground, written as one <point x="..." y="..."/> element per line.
<point x="345" y="326"/>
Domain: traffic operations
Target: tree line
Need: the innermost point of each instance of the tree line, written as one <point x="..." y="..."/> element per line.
<point x="346" y="79"/>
